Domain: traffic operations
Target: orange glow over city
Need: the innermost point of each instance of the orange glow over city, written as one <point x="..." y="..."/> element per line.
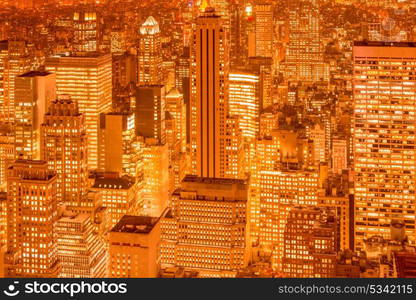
<point x="207" y="139"/>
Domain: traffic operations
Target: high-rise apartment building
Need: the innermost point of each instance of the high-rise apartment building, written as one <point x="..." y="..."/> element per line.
<point x="149" y="53"/>
<point x="134" y="248"/>
<point x="64" y="147"/>
<point x="207" y="229"/>
<point x="383" y="138"/>
<point x="268" y="121"/>
<point x="87" y="79"/>
<point x="34" y="91"/>
<point x="209" y="94"/>
<point x="31" y="216"/>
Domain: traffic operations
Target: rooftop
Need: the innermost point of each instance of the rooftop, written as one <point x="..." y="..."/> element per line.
<point x="173" y="93"/>
<point x="35" y="73"/>
<point x="79" y="55"/>
<point x="124" y="182"/>
<point x="135" y="224"/>
<point x="212" y="180"/>
<point x="383" y="44"/>
<point x="75" y="218"/>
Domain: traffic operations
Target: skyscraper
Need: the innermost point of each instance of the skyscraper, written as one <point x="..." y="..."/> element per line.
<point x="182" y="73"/>
<point x="150" y="112"/>
<point x="304" y="53"/>
<point x="209" y="94"/>
<point x="86" y="31"/>
<point x="15" y="61"/>
<point x="243" y="102"/>
<point x="34" y="91"/>
<point x="155" y="194"/>
<point x="176" y="107"/>
<point x="117" y="140"/>
<point x="3" y="226"/>
<point x="4" y="71"/>
<point x="262" y="67"/>
<point x="339" y="154"/>
<point x="31" y="215"/>
<point x="149" y="53"/>
<point x="7" y="149"/>
<point x="64" y="146"/>
<point x="87" y="79"/>
<point x="264" y="29"/>
<point x="383" y="138"/>
<point x="280" y="191"/>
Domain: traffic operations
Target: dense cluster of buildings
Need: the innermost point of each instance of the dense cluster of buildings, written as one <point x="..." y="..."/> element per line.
<point x="196" y="138"/>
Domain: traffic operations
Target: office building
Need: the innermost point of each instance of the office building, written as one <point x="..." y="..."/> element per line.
<point x="207" y="229"/>
<point x="31" y="216"/>
<point x="87" y="79"/>
<point x="209" y="94"/>
<point x="64" y="145"/>
<point x="81" y="253"/>
<point x="134" y="248"/>
<point x="383" y="132"/>
<point x="263" y="29"/>
<point x="310" y="243"/>
<point x="34" y="91"/>
<point x="149" y="54"/>
<point x="117" y="144"/>
<point x="150" y="112"/>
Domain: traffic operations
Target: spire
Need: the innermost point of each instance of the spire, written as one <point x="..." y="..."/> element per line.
<point x="173" y="93"/>
<point x="150" y="26"/>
